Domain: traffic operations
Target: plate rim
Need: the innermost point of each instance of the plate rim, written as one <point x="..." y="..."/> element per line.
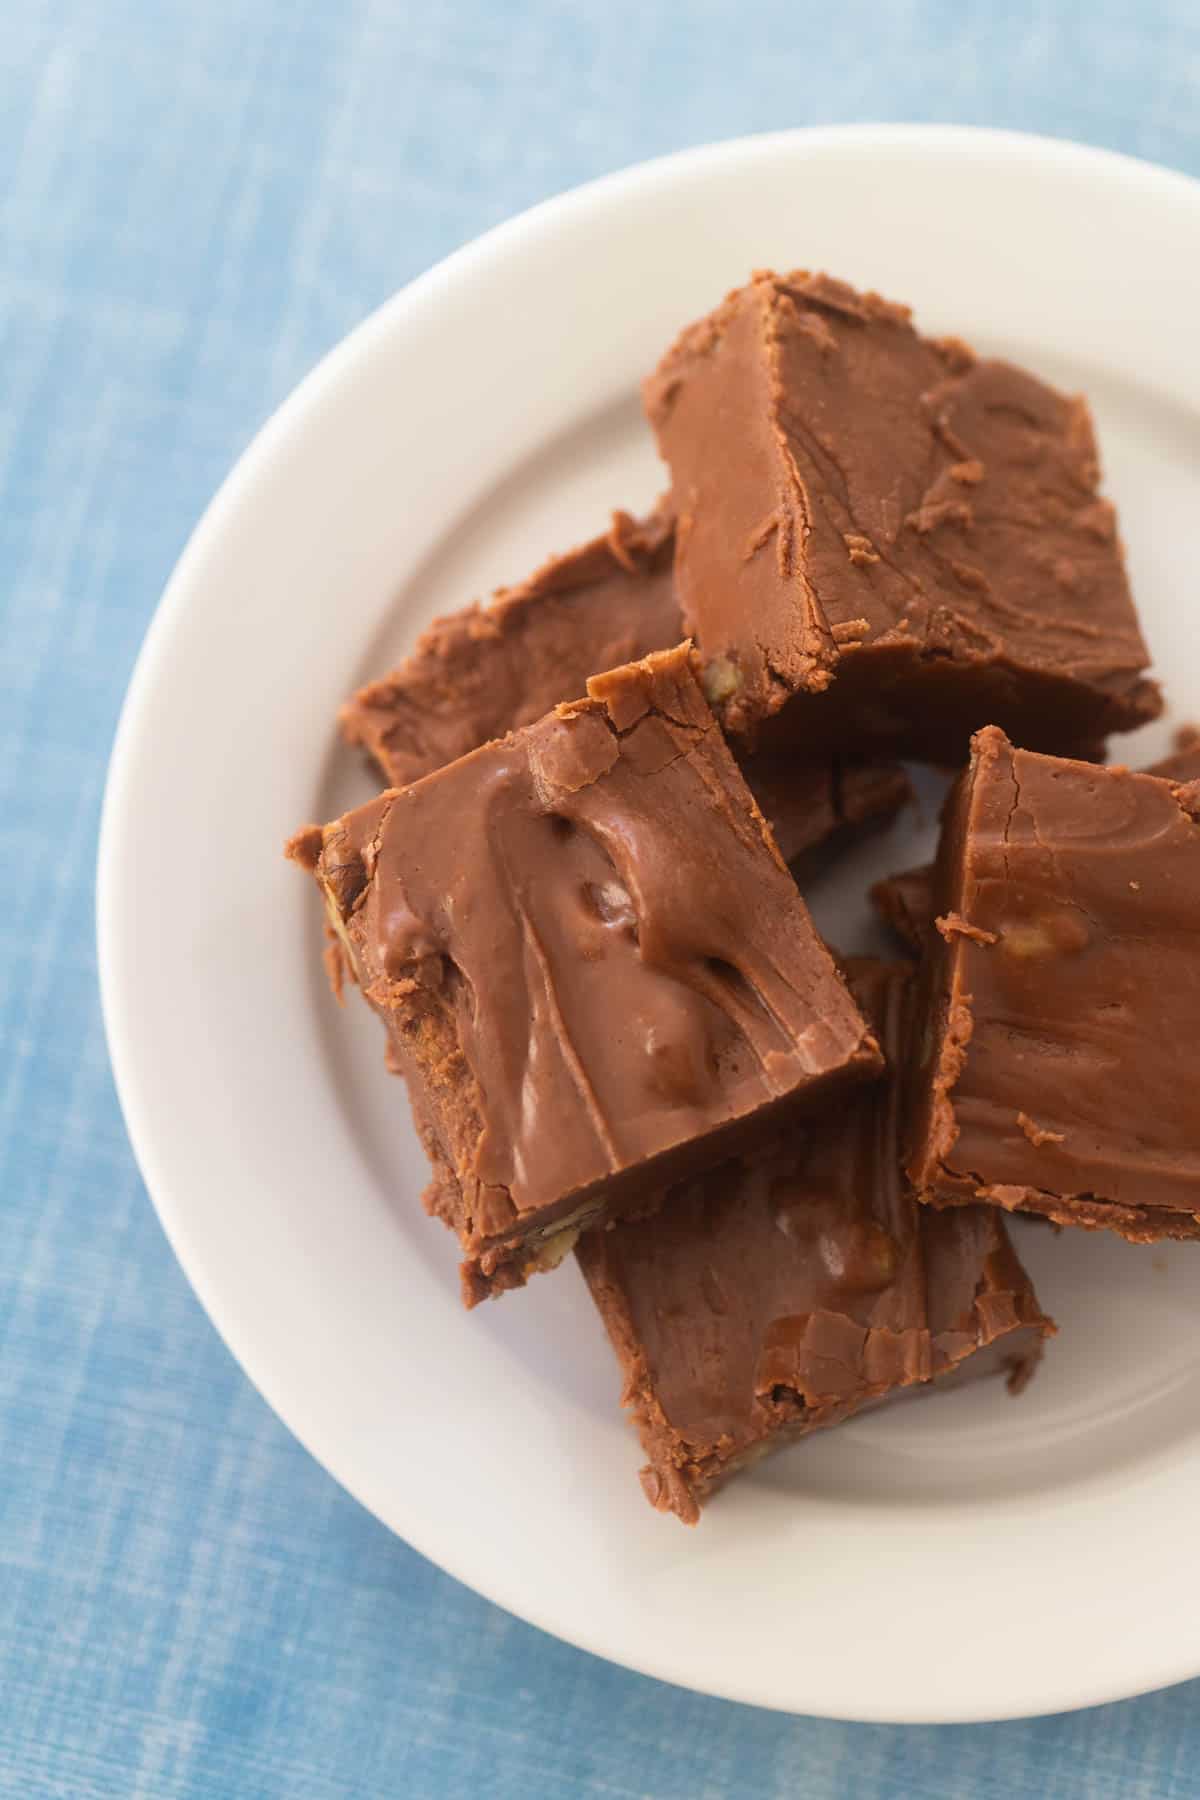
<point x="259" y="455"/>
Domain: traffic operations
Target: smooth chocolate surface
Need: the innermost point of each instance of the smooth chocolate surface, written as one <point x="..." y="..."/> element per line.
<point x="905" y="901"/>
<point x="781" y="1292"/>
<point x="595" y="969"/>
<point x="479" y="673"/>
<point x="885" y="542"/>
<point x="1063" y="1003"/>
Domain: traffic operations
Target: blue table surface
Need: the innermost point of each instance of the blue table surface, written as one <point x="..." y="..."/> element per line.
<point x="197" y="198"/>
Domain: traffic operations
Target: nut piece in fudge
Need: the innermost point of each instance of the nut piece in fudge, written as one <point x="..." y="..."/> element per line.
<point x="482" y="672"/>
<point x="1062" y="1004"/>
<point x="883" y="541"/>
<point x="595" y="971"/>
<point x="783" y="1291"/>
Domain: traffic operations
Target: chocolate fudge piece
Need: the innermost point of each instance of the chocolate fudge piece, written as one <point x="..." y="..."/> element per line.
<point x="885" y="542"/>
<point x="905" y="901"/>
<point x="596" y="972"/>
<point x="486" y="670"/>
<point x="784" y="1291"/>
<point x="1063" y="997"/>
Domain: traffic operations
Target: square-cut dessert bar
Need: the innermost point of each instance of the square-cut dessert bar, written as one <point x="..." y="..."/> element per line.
<point x="596" y="973"/>
<point x="787" y="1289"/>
<point x="883" y="541"/>
<point x="1063" y="996"/>
<point x="486" y="670"/>
<point x="905" y="900"/>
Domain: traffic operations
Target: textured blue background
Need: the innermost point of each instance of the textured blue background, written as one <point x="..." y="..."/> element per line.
<point x="197" y="198"/>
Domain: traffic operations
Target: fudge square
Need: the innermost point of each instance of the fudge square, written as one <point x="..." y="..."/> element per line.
<point x="885" y="542"/>
<point x="783" y="1291"/>
<point x="481" y="672"/>
<point x="1063" y="1006"/>
<point x="596" y="973"/>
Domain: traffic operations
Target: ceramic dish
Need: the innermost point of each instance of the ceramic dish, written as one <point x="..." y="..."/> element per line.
<point x="968" y="1558"/>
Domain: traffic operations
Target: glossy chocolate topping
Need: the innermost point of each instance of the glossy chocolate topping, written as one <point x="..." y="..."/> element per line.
<point x="1065" y="996"/>
<point x="857" y="501"/>
<point x="783" y="1290"/>
<point x="589" y="954"/>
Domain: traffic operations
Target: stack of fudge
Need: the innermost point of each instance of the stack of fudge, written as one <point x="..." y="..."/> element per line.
<point x="577" y="906"/>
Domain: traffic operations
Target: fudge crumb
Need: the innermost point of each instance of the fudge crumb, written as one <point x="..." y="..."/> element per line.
<point x="953" y="924"/>
<point x="305" y="846"/>
<point x="1038" y="1134"/>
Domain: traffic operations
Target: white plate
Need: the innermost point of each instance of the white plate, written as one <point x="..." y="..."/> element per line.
<point x="969" y="1558"/>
